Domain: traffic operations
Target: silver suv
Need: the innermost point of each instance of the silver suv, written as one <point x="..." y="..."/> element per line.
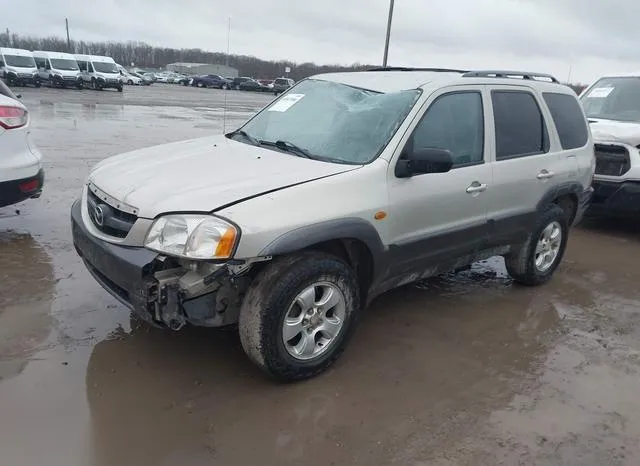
<point x="346" y="186"/>
<point x="612" y="105"/>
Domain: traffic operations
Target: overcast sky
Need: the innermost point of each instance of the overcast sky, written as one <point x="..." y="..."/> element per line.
<point x="589" y="36"/>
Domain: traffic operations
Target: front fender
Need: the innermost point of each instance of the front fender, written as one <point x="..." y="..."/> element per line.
<point x="346" y="228"/>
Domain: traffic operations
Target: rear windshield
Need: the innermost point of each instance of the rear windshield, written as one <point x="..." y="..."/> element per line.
<point x="20" y="61"/>
<point x="613" y="99"/>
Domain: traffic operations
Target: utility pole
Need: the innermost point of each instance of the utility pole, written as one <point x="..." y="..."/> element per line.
<point x="66" y="22"/>
<point x="8" y="38"/>
<point x="386" y="44"/>
<point x="228" y="41"/>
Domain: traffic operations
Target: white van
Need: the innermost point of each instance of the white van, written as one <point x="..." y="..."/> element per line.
<point x="58" y="69"/>
<point x="18" y="68"/>
<point x="99" y="72"/>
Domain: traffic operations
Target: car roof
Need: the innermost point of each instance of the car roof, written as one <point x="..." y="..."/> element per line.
<point x="395" y="80"/>
<point x="19" y="52"/>
<point x="62" y="55"/>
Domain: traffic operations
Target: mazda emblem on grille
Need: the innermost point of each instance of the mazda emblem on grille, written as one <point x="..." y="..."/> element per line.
<point x="98" y="215"/>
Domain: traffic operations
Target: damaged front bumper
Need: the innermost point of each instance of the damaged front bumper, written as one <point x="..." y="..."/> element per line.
<point x="157" y="289"/>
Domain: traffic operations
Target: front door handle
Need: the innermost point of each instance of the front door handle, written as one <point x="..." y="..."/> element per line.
<point x="545" y="175"/>
<point x="476" y="187"/>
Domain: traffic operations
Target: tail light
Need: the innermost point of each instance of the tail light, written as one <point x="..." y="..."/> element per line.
<point x="13" y="117"/>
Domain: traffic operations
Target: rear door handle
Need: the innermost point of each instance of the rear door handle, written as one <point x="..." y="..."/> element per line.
<point x="545" y="175"/>
<point x="476" y="187"/>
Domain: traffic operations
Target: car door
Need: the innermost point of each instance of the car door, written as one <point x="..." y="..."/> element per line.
<point x="438" y="217"/>
<point x="526" y="162"/>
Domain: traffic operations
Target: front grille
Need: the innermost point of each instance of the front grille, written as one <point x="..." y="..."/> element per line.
<point x="107" y="218"/>
<point x="612" y="160"/>
<point x="25" y="75"/>
<point x="112" y="80"/>
<point x="69" y="78"/>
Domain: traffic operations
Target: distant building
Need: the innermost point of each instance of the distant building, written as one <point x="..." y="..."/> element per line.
<point x="203" y="68"/>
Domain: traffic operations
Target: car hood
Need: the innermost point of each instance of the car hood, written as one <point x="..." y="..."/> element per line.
<point x="202" y="175"/>
<point x="615" y="131"/>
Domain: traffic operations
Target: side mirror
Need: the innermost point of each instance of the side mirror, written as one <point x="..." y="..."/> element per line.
<point x="427" y="160"/>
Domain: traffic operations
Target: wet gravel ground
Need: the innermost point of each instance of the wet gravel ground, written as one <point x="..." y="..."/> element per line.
<point x="464" y="369"/>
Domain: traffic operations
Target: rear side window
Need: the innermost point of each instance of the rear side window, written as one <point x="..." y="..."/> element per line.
<point x="569" y="119"/>
<point x="520" y="126"/>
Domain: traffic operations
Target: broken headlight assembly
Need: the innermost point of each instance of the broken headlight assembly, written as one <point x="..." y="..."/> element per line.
<point x="191" y="236"/>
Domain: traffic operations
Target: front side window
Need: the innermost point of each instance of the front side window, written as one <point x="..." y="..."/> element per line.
<point x="103" y="67"/>
<point x="47" y="65"/>
<point x="454" y="122"/>
<point x="20" y="61"/>
<point x="568" y="118"/>
<point x="333" y="121"/>
<point x="520" y="127"/>
<point x="39" y="62"/>
<point x="613" y="99"/>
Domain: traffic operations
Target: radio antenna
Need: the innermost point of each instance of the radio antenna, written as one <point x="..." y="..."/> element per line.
<point x="226" y="91"/>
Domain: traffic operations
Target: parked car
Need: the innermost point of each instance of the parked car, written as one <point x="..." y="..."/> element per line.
<point x="58" y="69"/>
<point x="290" y="232"/>
<point x="210" y="80"/>
<point x="281" y="85"/>
<point x="18" y="68"/>
<point x="99" y="72"/>
<point x="146" y="79"/>
<point x="266" y="82"/>
<point x="235" y="83"/>
<point x="128" y="78"/>
<point x="612" y="105"/>
<point x="21" y="173"/>
<point x="253" y="85"/>
<point x="184" y="80"/>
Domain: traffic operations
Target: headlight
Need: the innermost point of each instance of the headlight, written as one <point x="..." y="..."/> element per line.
<point x="192" y="237"/>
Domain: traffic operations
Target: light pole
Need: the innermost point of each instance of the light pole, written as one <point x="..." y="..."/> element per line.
<point x="386" y="44"/>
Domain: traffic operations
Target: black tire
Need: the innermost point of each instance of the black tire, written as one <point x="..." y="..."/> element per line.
<point x="37" y="83"/>
<point x="521" y="263"/>
<point x="11" y="81"/>
<point x="267" y="302"/>
<point x="120" y="88"/>
<point x="200" y="84"/>
<point x="52" y="82"/>
<point x="130" y="82"/>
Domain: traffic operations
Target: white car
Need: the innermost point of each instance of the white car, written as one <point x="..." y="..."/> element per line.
<point x="612" y="105"/>
<point x="131" y="79"/>
<point x="21" y="173"/>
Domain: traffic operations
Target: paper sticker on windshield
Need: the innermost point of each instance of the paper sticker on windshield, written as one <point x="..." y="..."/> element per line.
<point x="600" y="92"/>
<point x="286" y="102"/>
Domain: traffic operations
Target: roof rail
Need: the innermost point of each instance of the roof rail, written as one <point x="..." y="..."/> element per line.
<point x="405" y="68"/>
<point x="509" y="74"/>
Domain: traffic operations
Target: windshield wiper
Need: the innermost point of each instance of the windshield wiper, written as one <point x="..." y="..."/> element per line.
<point x="288" y="146"/>
<point x="245" y="135"/>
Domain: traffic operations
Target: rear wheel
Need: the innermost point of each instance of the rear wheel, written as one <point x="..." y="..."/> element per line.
<point x="130" y="82"/>
<point x="299" y="314"/>
<point x="200" y="84"/>
<point x="37" y="83"/>
<point x="535" y="262"/>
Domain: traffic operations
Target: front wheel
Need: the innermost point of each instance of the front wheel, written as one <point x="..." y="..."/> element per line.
<point x="130" y="82"/>
<point x="298" y="315"/>
<point x="535" y="261"/>
<point x="37" y="83"/>
<point x="120" y="88"/>
<point x="200" y="84"/>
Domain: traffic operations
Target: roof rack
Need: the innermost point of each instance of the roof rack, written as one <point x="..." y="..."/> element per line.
<point x="509" y="74"/>
<point x="405" y="68"/>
